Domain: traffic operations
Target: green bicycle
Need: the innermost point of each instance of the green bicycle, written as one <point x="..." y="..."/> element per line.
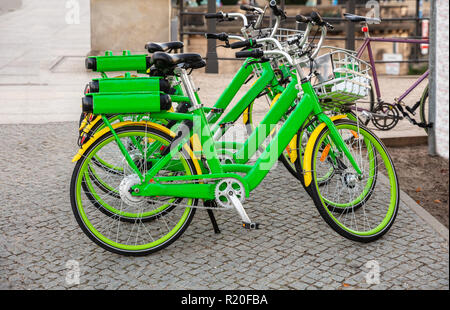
<point x="163" y="170"/>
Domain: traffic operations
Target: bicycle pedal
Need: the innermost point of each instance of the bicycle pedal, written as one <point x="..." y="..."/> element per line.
<point x="250" y="225"/>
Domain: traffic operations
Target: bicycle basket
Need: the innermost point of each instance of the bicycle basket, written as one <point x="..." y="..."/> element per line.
<point x="340" y="78"/>
<point x="282" y="34"/>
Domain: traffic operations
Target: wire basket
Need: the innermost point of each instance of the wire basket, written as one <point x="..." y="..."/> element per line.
<point x="340" y="78"/>
<point x="282" y="34"/>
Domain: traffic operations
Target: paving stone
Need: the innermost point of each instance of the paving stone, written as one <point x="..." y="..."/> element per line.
<point x="294" y="250"/>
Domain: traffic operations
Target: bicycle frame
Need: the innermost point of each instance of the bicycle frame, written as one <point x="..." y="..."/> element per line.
<point x="266" y="79"/>
<point x="309" y="104"/>
<point x="367" y="45"/>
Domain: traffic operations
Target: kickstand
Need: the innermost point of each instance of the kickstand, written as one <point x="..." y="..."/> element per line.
<point x="211" y="215"/>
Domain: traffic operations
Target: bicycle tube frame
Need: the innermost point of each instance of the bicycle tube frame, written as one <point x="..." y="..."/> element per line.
<point x="367" y="45"/>
<point x="254" y="174"/>
<point x="267" y="78"/>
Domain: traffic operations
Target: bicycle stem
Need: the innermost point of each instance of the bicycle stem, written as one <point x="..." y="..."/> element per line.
<point x="241" y="16"/>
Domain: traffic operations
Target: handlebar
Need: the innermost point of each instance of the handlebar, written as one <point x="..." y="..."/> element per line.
<point x="246" y="7"/>
<point x="302" y="19"/>
<point x="276" y="10"/>
<point x="317" y="19"/>
<point x="218" y="15"/>
<point x="256" y="10"/>
<point x="279" y="14"/>
<point x="227" y="17"/>
<point x="313" y="18"/>
<point x="243" y="44"/>
<point x="219" y="36"/>
<point x="278" y="50"/>
<point x="256" y="53"/>
<point x="250" y="8"/>
<point x="239" y="15"/>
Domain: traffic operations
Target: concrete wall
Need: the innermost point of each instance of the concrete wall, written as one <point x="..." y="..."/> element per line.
<point x="9" y="5"/>
<point x="441" y="76"/>
<point x="118" y="25"/>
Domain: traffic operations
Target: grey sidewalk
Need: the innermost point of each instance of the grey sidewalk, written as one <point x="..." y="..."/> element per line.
<point x="33" y="40"/>
<point x="295" y="249"/>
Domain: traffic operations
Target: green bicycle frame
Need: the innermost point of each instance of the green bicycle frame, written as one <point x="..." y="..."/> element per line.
<point x="309" y="104"/>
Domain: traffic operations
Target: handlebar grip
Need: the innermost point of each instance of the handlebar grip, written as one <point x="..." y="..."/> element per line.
<point x="241" y="44"/>
<point x="317" y="19"/>
<point x="254" y="54"/>
<point x="302" y="19"/>
<point x="275" y="9"/>
<point x="219" y="36"/>
<point x="214" y="15"/>
<point x="246" y="7"/>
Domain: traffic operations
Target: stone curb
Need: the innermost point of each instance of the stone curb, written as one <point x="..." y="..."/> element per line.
<point x="425" y="215"/>
<point x="405" y="141"/>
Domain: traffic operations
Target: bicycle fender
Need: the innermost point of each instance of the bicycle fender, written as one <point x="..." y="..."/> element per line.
<point x="115" y="126"/>
<point x="246" y="112"/>
<point x="87" y="127"/>
<point x="309" y="150"/>
<point x="293" y="149"/>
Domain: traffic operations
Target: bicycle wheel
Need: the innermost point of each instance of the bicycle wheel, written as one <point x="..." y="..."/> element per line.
<point x="364" y="119"/>
<point x="424" y="107"/>
<point x="304" y="133"/>
<point x="103" y="176"/>
<point x="102" y="164"/>
<point x="135" y="225"/>
<point x="358" y="208"/>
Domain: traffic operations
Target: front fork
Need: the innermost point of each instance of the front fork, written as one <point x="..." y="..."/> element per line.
<point x="339" y="141"/>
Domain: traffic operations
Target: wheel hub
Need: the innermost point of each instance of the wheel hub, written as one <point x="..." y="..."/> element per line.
<point x="125" y="190"/>
<point x="349" y="180"/>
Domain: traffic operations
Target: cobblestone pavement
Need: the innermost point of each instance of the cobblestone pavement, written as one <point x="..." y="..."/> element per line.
<point x="295" y="249"/>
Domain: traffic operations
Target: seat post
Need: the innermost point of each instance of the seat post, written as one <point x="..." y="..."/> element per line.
<point x="188" y="86"/>
<point x="366" y="33"/>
